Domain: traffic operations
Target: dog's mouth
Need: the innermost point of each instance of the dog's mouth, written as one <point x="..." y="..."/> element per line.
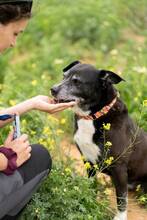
<point x="63" y="100"/>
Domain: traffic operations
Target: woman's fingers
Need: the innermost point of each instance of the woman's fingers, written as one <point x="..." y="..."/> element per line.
<point x="27" y="143"/>
<point x="21" y="146"/>
<point x="29" y="149"/>
<point x="23" y="156"/>
<point x="23" y="138"/>
<point x="10" y="137"/>
<point x="51" y="108"/>
<point x="52" y="101"/>
<point x="22" y="159"/>
<point x="68" y="104"/>
<point x="59" y="110"/>
<point x="61" y="106"/>
<point x="46" y="104"/>
<point x="26" y="155"/>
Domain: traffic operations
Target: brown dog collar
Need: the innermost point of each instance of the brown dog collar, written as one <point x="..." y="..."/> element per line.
<point x="100" y="113"/>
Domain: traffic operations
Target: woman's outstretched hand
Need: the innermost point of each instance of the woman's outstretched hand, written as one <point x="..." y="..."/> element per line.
<point x="44" y="103"/>
<point x="40" y="102"/>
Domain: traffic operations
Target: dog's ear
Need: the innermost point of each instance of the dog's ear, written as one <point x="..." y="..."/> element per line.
<point x="70" y="66"/>
<point x="110" y="76"/>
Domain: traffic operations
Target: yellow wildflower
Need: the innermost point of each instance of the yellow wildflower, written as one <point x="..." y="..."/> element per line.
<point x="136" y="99"/>
<point x="145" y="103"/>
<point x="52" y="119"/>
<point x="109" y="160"/>
<point x="87" y="165"/>
<point x="106" y="126"/>
<point x="108" y="144"/>
<point x="142" y="199"/>
<point x="96" y="166"/>
<point x="12" y="102"/>
<point x="68" y="170"/>
<point x="34" y="65"/>
<point x="41" y="141"/>
<point x="11" y="127"/>
<point x="108" y="191"/>
<point x="62" y="121"/>
<point x="138" y="188"/>
<point x="47" y="131"/>
<point x="33" y="132"/>
<point x="37" y="211"/>
<point x="114" y="52"/>
<point x="50" y="147"/>
<point x="139" y="94"/>
<point x="59" y="131"/>
<point x="24" y="122"/>
<point x="34" y="82"/>
<point x="58" y="61"/>
<point x="52" y="142"/>
<point x="43" y="76"/>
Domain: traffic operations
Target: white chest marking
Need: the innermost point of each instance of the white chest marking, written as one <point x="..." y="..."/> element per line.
<point x="76" y="109"/>
<point x="84" y="138"/>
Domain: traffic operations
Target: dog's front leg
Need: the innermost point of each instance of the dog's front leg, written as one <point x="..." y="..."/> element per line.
<point x="120" y="178"/>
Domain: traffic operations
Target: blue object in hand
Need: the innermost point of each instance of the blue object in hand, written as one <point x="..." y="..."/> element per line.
<point x="16" y="124"/>
<point x="6" y="117"/>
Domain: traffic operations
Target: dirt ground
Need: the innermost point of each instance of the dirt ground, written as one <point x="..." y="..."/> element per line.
<point x="135" y="212"/>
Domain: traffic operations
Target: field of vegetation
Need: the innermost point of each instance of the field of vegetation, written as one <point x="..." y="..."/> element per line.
<point x="106" y="33"/>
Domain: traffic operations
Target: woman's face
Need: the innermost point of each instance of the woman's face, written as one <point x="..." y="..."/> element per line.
<point x="10" y="32"/>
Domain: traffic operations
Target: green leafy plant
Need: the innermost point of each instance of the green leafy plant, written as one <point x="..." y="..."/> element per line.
<point x="65" y="195"/>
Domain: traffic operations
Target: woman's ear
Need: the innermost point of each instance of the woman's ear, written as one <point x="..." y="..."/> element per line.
<point x="70" y="66"/>
<point x="109" y="76"/>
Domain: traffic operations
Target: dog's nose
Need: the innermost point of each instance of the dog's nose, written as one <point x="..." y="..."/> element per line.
<point x="54" y="90"/>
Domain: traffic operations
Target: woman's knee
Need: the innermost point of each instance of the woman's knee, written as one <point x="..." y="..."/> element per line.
<point x="39" y="161"/>
<point x="41" y="156"/>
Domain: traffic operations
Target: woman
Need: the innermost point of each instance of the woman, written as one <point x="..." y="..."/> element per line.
<point x="22" y="167"/>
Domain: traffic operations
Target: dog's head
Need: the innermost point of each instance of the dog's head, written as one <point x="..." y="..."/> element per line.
<point x="90" y="88"/>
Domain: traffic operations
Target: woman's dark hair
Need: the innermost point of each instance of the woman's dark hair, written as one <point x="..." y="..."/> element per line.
<point x="15" y="11"/>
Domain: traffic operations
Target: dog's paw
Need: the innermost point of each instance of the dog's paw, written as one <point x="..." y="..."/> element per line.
<point x="121" y="216"/>
<point x="116" y="218"/>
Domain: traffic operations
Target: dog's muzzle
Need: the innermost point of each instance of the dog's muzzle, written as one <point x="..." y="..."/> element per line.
<point x="54" y="93"/>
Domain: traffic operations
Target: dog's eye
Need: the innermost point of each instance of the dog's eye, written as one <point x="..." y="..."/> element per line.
<point x="76" y="81"/>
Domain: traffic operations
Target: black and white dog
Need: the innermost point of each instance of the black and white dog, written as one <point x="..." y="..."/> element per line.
<point x="98" y="104"/>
